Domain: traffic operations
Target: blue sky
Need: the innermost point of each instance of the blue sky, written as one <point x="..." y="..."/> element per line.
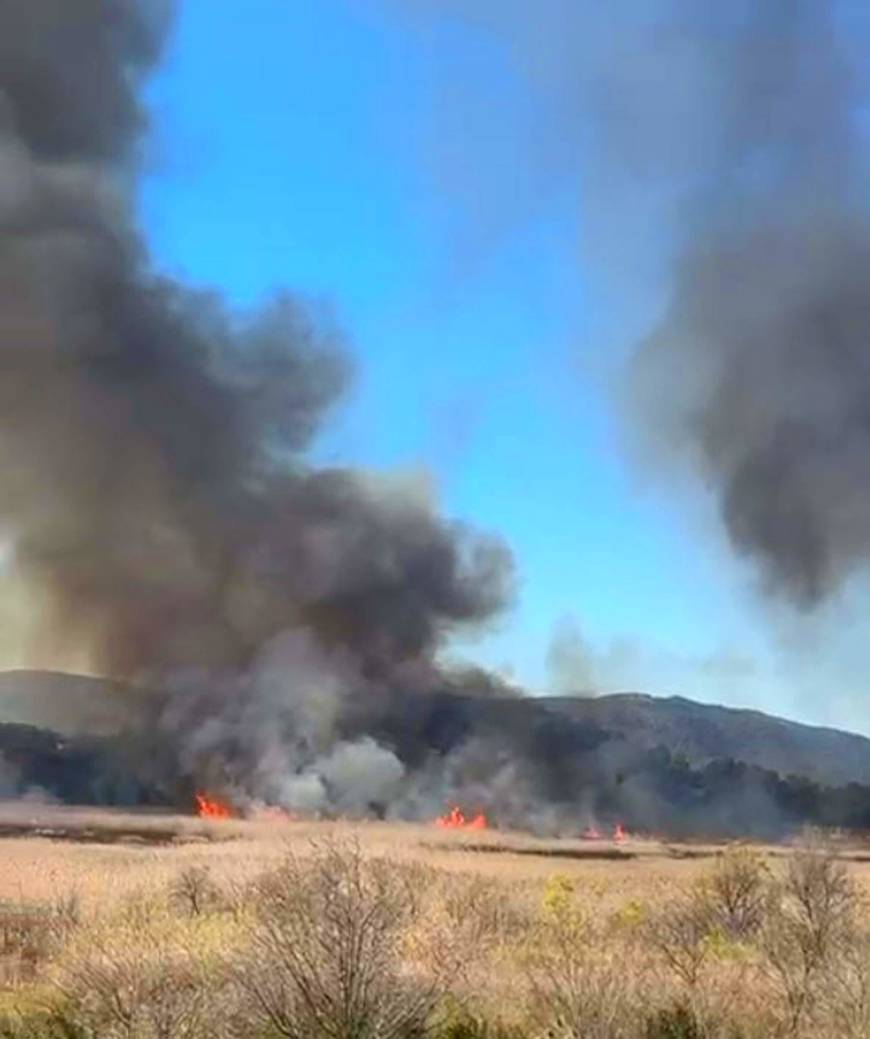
<point x="290" y="147"/>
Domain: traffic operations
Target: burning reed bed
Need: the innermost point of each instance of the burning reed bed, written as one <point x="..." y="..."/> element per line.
<point x="345" y="937"/>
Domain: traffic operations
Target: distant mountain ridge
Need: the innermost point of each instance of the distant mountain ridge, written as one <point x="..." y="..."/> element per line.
<point x="72" y="705"/>
<point x="76" y="705"/>
<point x="706" y="732"/>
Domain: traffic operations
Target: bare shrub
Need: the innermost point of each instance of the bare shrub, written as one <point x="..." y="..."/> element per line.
<point x="330" y="950"/>
<point x="706" y="940"/>
<point x="194" y="892"/>
<point x="716" y="920"/>
<point x="482" y="912"/>
<point x="681" y="933"/>
<point x="467" y="1026"/>
<point x="575" y="974"/>
<point x="809" y="923"/>
<point x="142" y="998"/>
<point x="50" y="1024"/>
<point x="677" y="1022"/>
<point x="141" y="975"/>
<point x="30" y="933"/>
<point x="736" y="890"/>
<point x="844" y="999"/>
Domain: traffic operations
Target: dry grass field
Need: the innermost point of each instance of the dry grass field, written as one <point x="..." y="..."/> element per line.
<point x="159" y="926"/>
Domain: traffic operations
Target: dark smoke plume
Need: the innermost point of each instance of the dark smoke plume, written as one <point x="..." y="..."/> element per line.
<point x="720" y="151"/>
<point x="153" y="482"/>
<point x="152" y="475"/>
<point x="154" y="487"/>
<point x="762" y="360"/>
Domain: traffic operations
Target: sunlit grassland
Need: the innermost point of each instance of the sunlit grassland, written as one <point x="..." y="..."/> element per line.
<point x="138" y="925"/>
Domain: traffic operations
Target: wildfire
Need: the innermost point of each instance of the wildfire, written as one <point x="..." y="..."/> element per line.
<point x="211" y="808"/>
<point x="592" y="833"/>
<point x="456" y="819"/>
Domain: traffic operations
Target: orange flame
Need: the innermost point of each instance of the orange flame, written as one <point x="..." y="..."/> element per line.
<point x="210" y="808"/>
<point x="456" y="819"/>
<point x="592" y="833"/>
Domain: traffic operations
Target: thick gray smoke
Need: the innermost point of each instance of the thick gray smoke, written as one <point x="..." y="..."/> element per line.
<point x="152" y="475"/>
<point x="154" y="487"/>
<point x="762" y="360"/>
<point x="730" y="141"/>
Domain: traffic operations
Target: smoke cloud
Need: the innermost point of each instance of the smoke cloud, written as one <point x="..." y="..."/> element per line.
<point x="153" y="481"/>
<point x="151" y="441"/>
<point x="768" y="322"/>
<point x="720" y="151"/>
<point x="579" y="666"/>
<point x="155" y="493"/>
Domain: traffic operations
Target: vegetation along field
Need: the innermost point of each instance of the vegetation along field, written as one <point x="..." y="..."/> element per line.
<point x="118" y="925"/>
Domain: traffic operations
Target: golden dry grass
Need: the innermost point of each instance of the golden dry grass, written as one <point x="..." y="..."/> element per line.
<point x="92" y="853"/>
<point x="103" y="854"/>
<point x="542" y="920"/>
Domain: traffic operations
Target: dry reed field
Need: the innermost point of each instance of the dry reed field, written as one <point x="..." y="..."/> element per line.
<point x="115" y="925"/>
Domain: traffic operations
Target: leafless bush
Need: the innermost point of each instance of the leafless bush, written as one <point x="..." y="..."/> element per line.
<point x="143" y="998"/>
<point x="706" y="940"/>
<point x="719" y="914"/>
<point x="30" y="933"/>
<point x="482" y="912"/>
<point x="50" y="1024"/>
<point x="683" y="933"/>
<point x="143" y="975"/>
<point x="194" y="892"/>
<point x="845" y="996"/>
<point x="330" y="950"/>
<point x="468" y="1026"/>
<point x="674" y="1022"/>
<point x="582" y="995"/>
<point x="737" y="893"/>
<point x="809" y="924"/>
<point x="578" y="984"/>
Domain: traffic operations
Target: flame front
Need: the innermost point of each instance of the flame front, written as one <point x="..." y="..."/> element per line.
<point x="211" y="808"/>
<point x="592" y="833"/>
<point x="456" y="819"/>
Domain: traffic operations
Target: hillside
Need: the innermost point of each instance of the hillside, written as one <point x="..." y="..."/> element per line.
<point x="704" y="732"/>
<point x="72" y="705"/>
<point x="618" y="727"/>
